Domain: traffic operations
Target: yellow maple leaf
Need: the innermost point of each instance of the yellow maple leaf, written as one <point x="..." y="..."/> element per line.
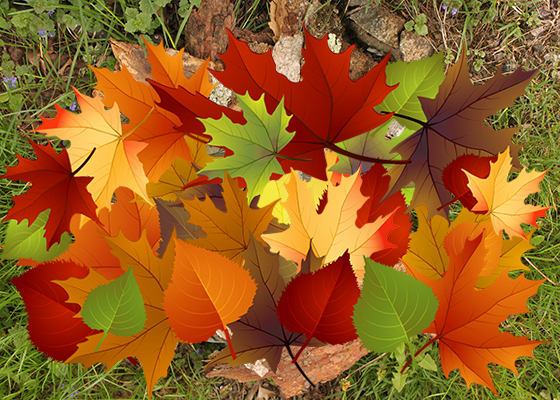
<point x="334" y="230"/>
<point x="503" y="201"/>
<point x="428" y="257"/>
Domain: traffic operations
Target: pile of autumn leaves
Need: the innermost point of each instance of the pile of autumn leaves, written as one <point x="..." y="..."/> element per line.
<point x="184" y="251"/>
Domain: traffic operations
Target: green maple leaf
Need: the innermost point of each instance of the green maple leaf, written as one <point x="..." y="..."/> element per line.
<point x="116" y="307"/>
<point x="255" y="145"/>
<point x="393" y="306"/>
<point x="417" y="79"/>
<point x="28" y="241"/>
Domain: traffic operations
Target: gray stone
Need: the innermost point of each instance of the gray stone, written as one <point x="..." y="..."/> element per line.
<point x="377" y="27"/>
<point x="414" y="47"/>
<point x="287" y="56"/>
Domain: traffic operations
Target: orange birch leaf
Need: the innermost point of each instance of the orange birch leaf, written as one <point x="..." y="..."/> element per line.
<point x="207" y="292"/>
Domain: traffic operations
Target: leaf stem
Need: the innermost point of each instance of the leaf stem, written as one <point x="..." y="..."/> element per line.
<point x="101" y="341"/>
<point x="417" y="121"/>
<point x="297" y="365"/>
<point x="454" y="199"/>
<point x="85" y="162"/>
<point x="432" y="340"/>
<point x="287" y="344"/>
<point x="226" y="330"/>
<point x="359" y="157"/>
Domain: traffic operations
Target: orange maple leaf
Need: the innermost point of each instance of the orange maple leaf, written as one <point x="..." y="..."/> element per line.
<point x="115" y="162"/>
<point x="155" y="346"/>
<point x="228" y="233"/>
<point x="334" y="230"/>
<point x="207" y="292"/>
<point x="503" y="201"/>
<point x="137" y="100"/>
<point x="467" y="320"/>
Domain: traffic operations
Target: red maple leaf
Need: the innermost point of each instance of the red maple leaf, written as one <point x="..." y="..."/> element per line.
<point x="326" y="105"/>
<point x="52" y="325"/>
<point x="321" y="304"/>
<point x="53" y="186"/>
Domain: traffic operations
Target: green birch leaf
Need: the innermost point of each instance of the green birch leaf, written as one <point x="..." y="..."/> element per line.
<point x="116" y="307"/>
<point x="255" y="145"/>
<point x="420" y="78"/>
<point x="393" y="307"/>
<point x="28" y="241"/>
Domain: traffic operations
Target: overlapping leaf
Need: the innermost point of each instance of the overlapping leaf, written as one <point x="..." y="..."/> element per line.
<point x="503" y="200"/>
<point x="52" y="326"/>
<point x="115" y="162"/>
<point x="392" y="307"/>
<point x="154" y="347"/>
<point x="326" y="106"/>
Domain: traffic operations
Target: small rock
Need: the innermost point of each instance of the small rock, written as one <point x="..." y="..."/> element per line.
<point x="414" y="47"/>
<point x="287" y="56"/>
<point x="378" y="28"/>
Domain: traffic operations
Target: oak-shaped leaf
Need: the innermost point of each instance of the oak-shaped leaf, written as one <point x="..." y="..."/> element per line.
<point x="334" y="230"/>
<point x="207" y="292"/>
<point x="53" y="186"/>
<point x="455" y="125"/>
<point x="505" y="201"/>
<point x="115" y="161"/>
<point x="258" y="334"/>
<point x="320" y="305"/>
<point x="393" y="306"/>
<point x="468" y="320"/>
<point x="116" y="307"/>
<point x="326" y="106"/>
<point x="256" y="145"/>
<point x="52" y="325"/>
<point x="155" y="345"/>
<point x="28" y="241"/>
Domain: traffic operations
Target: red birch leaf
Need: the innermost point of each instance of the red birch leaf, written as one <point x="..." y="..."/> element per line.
<point x="320" y="305"/>
<point x="54" y="187"/>
<point x="52" y="326"/>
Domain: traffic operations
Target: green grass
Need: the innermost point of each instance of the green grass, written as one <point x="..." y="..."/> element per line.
<point x="25" y="373"/>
